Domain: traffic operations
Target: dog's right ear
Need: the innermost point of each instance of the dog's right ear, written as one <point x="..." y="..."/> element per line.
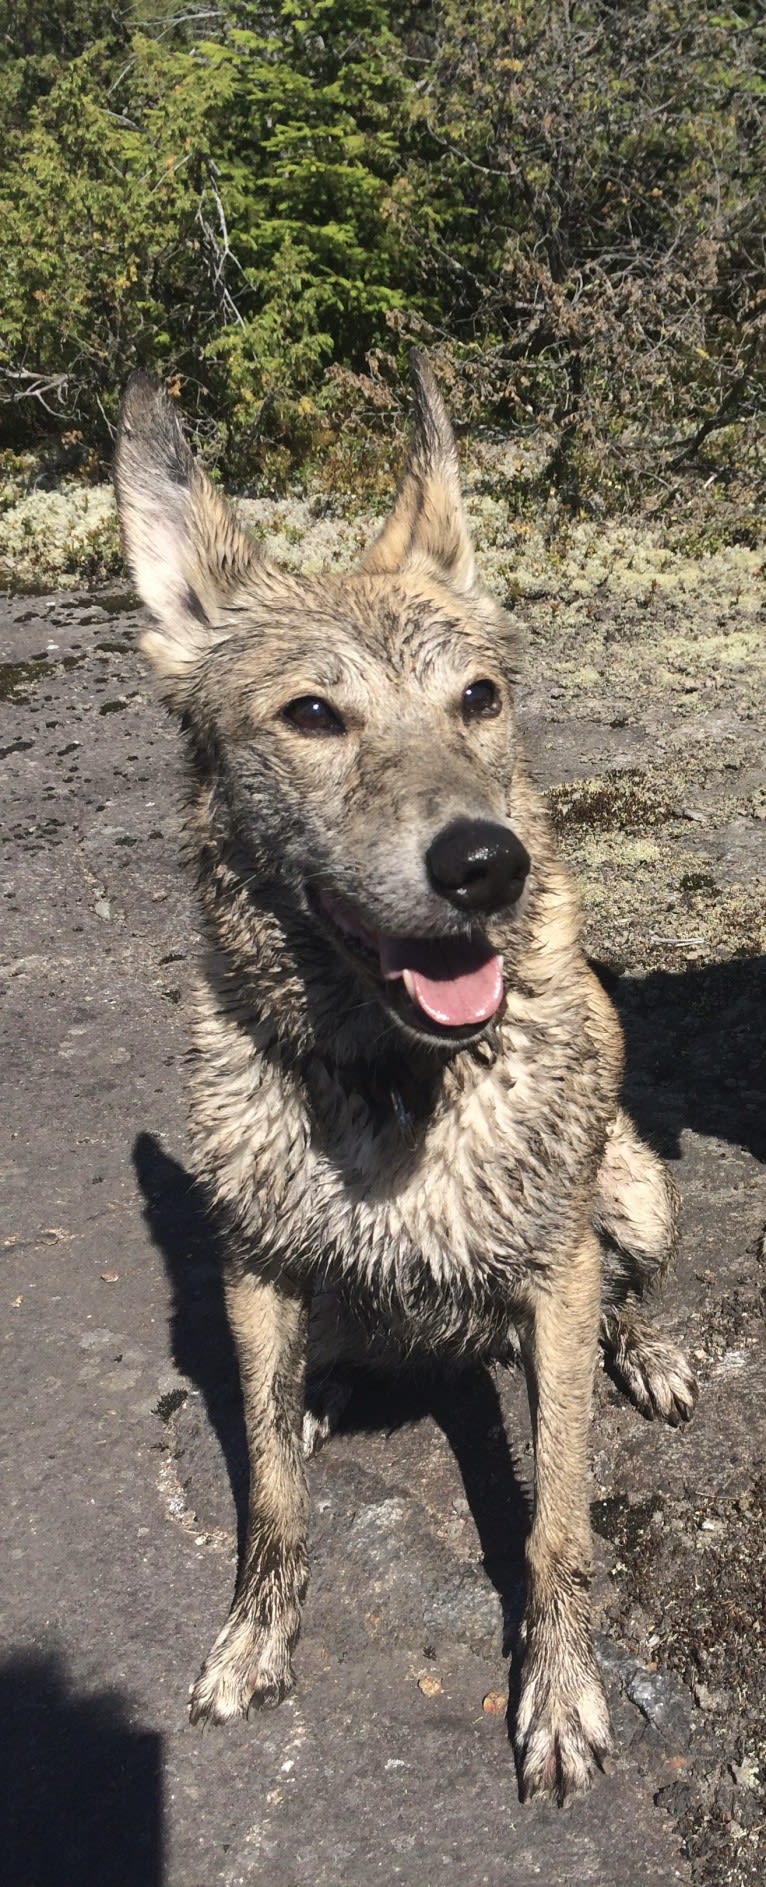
<point x="183" y="545"/>
<point x="427" y="522"/>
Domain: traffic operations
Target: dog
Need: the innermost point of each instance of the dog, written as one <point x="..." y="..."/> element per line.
<point x="405" y="1075"/>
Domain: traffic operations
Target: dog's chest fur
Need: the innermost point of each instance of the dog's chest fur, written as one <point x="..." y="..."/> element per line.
<point x="430" y="1205"/>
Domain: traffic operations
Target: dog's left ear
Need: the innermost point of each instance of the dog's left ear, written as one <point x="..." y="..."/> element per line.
<point x="427" y="522"/>
<point x="186" y="551"/>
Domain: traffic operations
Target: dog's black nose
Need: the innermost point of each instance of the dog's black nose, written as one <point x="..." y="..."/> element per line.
<point x="477" y="865"/>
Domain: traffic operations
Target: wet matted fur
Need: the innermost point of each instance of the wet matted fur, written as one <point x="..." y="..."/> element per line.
<point x="406" y="1082"/>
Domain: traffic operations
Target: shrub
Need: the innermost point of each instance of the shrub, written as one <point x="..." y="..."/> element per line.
<point x="597" y="226"/>
<point x="216" y="209"/>
<point x="268" y="203"/>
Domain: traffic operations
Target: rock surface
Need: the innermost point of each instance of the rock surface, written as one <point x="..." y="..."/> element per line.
<point x="123" y="1450"/>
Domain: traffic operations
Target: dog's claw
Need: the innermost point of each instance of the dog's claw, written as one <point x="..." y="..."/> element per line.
<point x="268" y="1697"/>
<point x="246" y="1671"/>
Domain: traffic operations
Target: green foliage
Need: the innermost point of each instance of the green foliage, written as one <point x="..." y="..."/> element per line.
<point x="613" y="249"/>
<point x="216" y="209"/>
<point x="267" y="203"/>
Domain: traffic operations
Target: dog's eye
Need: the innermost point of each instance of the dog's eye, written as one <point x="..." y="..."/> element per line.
<point x="480" y="699"/>
<point x="311" y="715"/>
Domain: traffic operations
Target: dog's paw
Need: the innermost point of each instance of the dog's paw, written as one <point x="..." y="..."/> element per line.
<point x="657" y="1375"/>
<point x="562" y="1732"/>
<point x="247" y="1669"/>
<point x="326" y="1400"/>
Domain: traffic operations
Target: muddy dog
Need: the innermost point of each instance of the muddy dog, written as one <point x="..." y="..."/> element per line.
<point x="406" y="1077"/>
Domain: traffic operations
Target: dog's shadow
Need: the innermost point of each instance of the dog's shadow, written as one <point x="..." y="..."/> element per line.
<point x="466" y="1406"/>
<point x="181" y="1227"/>
<point x="695" y="1052"/>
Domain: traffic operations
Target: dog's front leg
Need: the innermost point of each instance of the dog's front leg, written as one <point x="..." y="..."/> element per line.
<point x="250" y="1662"/>
<point x="562" y="1724"/>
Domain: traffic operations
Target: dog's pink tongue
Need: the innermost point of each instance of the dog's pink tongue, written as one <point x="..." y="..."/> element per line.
<point x="454" y="980"/>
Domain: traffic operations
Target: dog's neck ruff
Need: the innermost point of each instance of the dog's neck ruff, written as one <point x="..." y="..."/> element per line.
<point x="405" y="1096"/>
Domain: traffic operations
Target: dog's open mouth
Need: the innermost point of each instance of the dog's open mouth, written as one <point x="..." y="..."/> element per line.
<point x="454" y="984"/>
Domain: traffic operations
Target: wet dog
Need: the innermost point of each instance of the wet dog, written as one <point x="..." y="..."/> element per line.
<point x="406" y="1080"/>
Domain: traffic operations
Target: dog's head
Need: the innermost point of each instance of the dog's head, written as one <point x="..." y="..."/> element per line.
<point x="356" y="732"/>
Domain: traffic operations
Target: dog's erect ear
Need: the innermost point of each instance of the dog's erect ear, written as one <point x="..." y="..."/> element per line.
<point x="185" y="549"/>
<point x="427" y="521"/>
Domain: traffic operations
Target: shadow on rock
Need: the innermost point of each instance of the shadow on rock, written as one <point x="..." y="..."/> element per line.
<point x="696" y="1052"/>
<point x="472" y="1421"/>
<point x="465" y="1406"/>
<point x="82" y="1786"/>
<point x="182" y="1228"/>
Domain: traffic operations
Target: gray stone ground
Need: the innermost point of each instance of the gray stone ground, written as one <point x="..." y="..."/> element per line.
<point x="122" y="1442"/>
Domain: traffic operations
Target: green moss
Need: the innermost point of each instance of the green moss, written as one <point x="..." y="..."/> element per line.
<point x="59" y="538"/>
<point x="17" y="678"/>
<point x="629" y="801"/>
<point x="694" y="883"/>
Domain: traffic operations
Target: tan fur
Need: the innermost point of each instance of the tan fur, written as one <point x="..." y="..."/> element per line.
<point x="432" y="1191"/>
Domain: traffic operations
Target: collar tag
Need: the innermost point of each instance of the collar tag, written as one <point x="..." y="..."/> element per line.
<point x="404" y="1118"/>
